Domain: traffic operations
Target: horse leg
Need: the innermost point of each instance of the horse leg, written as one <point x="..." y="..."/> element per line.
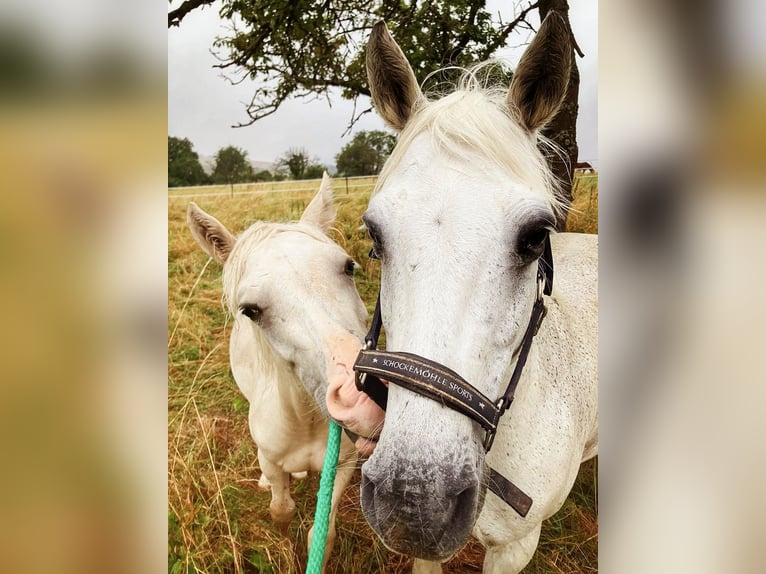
<point x="263" y="482"/>
<point x="426" y="567"/>
<point x="342" y="477"/>
<point x="282" y="506"/>
<point x="512" y="557"/>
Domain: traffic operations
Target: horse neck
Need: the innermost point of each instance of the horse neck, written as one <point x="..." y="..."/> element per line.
<point x="271" y="369"/>
<point x="545" y="384"/>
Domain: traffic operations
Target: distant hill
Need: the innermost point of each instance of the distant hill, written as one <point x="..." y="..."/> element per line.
<point x="208" y="163"/>
<point x="261" y="165"/>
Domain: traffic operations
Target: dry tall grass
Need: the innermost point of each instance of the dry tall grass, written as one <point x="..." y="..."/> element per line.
<point x="583" y="213"/>
<point x="217" y="519"/>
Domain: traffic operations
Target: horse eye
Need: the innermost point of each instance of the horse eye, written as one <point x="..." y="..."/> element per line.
<point x="377" y="244"/>
<point x="532" y="242"/>
<point x="535" y="238"/>
<point x="350" y="267"/>
<point x="252" y="312"/>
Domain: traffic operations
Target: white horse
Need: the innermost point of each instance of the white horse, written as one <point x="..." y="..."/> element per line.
<point x="297" y="325"/>
<point x="459" y="220"/>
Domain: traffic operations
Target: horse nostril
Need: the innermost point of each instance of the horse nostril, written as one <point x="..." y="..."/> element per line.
<point x="466" y="501"/>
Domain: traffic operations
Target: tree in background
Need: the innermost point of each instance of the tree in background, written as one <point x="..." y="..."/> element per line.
<point x="297" y="163"/>
<point x="231" y="166"/>
<point x="263" y="175"/>
<point x="300" y="49"/>
<point x="365" y="154"/>
<point x="293" y="162"/>
<point x="184" y="167"/>
<point x="314" y="171"/>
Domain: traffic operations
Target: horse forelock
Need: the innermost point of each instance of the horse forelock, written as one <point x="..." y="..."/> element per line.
<point x="474" y="123"/>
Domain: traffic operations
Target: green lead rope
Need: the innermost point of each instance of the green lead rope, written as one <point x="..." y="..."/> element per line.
<point x="324" y="501"/>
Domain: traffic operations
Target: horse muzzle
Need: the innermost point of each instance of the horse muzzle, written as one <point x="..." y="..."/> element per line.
<point x="422" y="512"/>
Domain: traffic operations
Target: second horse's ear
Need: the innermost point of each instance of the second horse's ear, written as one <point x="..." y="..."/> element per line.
<point x="321" y="211"/>
<point x="209" y="233"/>
<point x="393" y="85"/>
<point x="542" y="76"/>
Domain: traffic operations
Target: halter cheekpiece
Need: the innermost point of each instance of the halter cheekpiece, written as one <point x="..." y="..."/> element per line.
<point x="437" y="382"/>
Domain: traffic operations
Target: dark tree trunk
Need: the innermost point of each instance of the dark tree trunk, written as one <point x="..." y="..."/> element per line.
<point x="562" y="130"/>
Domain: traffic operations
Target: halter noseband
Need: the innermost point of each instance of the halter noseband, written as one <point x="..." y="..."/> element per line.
<point x="437" y="382"/>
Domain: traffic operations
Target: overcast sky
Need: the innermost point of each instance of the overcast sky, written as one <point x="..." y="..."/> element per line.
<point x="202" y="105"/>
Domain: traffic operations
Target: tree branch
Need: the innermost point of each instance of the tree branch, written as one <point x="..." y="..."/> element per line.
<point x="575" y="45"/>
<point x="355" y="118"/>
<point x="521" y="18"/>
<point x="175" y="16"/>
<point x="258" y="109"/>
<point x="465" y="38"/>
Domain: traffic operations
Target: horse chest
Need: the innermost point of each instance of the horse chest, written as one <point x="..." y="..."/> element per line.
<point x="307" y="456"/>
<point x="293" y="443"/>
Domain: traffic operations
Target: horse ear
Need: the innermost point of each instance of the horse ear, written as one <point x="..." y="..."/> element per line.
<point x="540" y="82"/>
<point x="209" y="233"/>
<point x="393" y="85"/>
<point x="321" y="211"/>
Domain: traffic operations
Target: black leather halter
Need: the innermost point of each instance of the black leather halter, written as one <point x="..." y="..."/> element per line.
<point x="444" y="385"/>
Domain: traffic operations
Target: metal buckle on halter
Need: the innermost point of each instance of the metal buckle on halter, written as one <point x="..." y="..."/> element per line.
<point x="361" y="378"/>
<point x="489" y="435"/>
<point x="489" y="438"/>
<point x="539" y="299"/>
<point x="540" y="285"/>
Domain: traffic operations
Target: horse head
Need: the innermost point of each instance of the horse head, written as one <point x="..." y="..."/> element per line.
<point x="459" y="219"/>
<point x="294" y="288"/>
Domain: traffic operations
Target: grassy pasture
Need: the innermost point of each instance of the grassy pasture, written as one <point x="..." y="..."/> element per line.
<point x="218" y="521"/>
<point x="583" y="213"/>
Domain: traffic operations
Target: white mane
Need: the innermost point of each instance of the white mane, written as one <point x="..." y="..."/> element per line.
<point x="474" y="121"/>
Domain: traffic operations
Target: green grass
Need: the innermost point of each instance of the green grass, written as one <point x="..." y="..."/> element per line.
<point x="217" y="519"/>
